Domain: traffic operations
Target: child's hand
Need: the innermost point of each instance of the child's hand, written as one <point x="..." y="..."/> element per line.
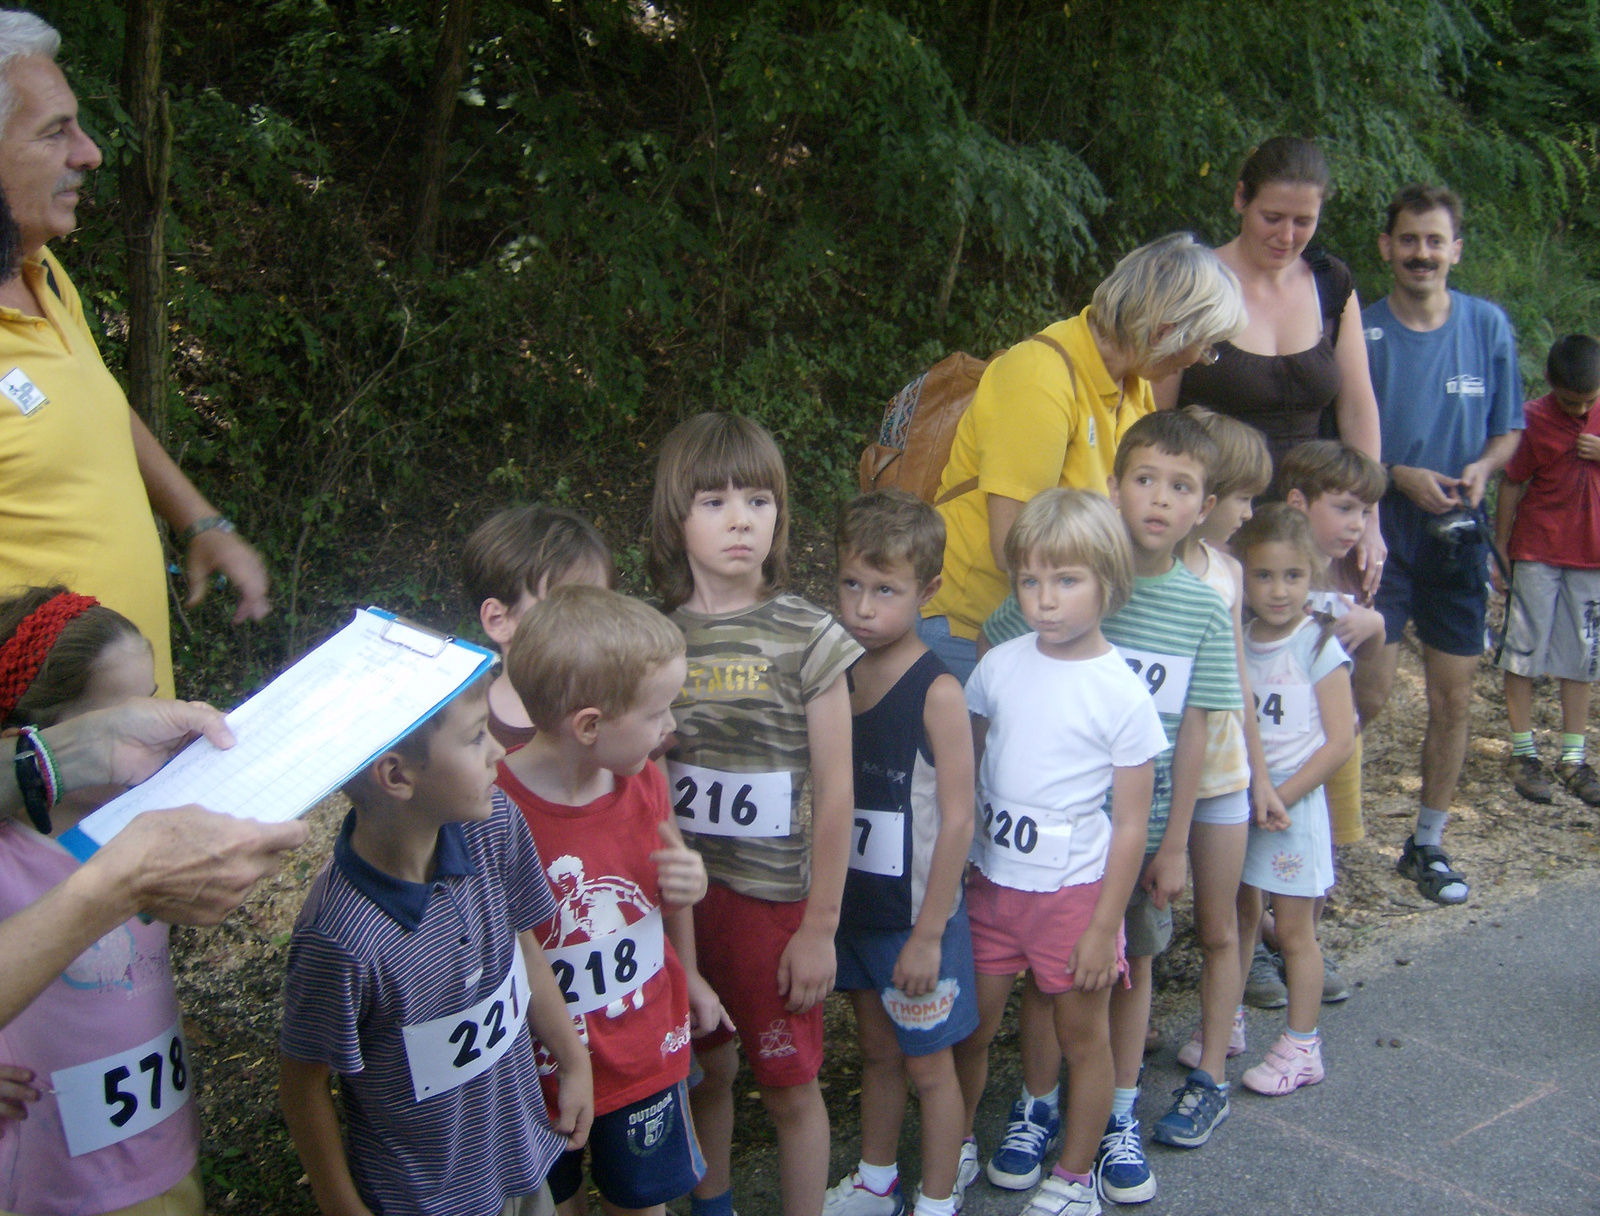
<point x="1588" y="447"/>
<point x="705" y="1007"/>
<point x="680" y="873"/>
<point x="16" y="1090"/>
<point x="1357" y="626"/>
<point x="575" y="1103"/>
<point x="1270" y="813"/>
<point x="1164" y="877"/>
<point x="916" y="971"/>
<point x="1093" y="961"/>
<point x="805" y="972"/>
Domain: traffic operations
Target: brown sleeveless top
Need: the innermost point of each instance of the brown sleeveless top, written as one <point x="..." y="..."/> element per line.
<point x="1283" y="396"/>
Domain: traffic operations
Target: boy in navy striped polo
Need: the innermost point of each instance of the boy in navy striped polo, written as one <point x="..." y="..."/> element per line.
<point x="904" y="947"/>
<point x="411" y="972"/>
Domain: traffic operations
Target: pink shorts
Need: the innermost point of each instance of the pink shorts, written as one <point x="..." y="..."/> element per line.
<point x="1014" y="931"/>
<point x="739" y="941"/>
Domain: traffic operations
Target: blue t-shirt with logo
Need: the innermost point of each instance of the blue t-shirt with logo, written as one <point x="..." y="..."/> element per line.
<point x="1443" y="394"/>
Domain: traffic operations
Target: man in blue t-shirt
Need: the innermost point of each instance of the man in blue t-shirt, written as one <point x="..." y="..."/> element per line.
<point x="1444" y="367"/>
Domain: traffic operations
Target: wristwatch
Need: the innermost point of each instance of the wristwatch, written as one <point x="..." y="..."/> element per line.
<point x="211" y="523"/>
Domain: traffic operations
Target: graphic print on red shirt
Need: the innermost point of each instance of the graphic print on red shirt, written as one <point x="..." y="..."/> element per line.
<point x="621" y="978"/>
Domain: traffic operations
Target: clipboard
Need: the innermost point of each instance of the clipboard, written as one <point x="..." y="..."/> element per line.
<point x="308" y="732"/>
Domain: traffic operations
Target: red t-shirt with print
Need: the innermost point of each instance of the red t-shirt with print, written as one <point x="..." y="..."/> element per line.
<point x="597" y="858"/>
<point x="1558" y="519"/>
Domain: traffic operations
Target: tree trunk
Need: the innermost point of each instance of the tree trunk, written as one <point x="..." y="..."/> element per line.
<point x="143" y="183"/>
<point x="448" y="63"/>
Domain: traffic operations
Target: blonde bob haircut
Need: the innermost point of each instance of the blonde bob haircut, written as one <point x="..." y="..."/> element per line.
<point x="583" y="647"/>
<point x="712" y="452"/>
<point x="1244" y="462"/>
<point x="1075" y="528"/>
<point x="1173" y="281"/>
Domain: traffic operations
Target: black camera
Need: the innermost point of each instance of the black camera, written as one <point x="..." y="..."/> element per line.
<point x="1458" y="528"/>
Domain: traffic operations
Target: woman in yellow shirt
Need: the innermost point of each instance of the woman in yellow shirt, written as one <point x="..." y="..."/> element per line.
<point x="1051" y="413"/>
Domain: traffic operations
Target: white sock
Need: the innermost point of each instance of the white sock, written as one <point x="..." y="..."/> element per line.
<point x="1051" y="1099"/>
<point x="1430" y="826"/>
<point x="879" y="1178"/>
<point x="1122" y="1101"/>
<point x="935" y="1207"/>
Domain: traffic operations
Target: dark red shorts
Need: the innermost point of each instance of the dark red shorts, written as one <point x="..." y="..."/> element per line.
<point x="739" y="941"/>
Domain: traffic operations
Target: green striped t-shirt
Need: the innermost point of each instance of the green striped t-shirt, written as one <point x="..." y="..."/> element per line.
<point x="1173" y="626"/>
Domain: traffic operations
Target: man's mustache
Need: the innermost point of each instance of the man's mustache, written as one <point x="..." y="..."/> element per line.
<point x="70" y="181"/>
<point x="1421" y="264"/>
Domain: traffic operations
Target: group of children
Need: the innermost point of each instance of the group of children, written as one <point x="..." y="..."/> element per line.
<point x="661" y="833"/>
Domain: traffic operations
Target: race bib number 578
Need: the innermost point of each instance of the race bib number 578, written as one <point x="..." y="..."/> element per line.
<point x="108" y="1100"/>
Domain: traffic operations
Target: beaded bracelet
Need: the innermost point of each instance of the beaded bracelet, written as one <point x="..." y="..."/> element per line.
<point x="37" y="777"/>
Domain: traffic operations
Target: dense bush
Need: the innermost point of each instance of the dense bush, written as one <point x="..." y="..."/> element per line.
<point x="781" y="208"/>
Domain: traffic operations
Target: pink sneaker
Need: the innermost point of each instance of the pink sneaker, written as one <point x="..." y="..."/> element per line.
<point x="1189" y="1053"/>
<point x="1287" y="1067"/>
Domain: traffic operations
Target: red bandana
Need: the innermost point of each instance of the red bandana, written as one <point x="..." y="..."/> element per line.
<point x="26" y="650"/>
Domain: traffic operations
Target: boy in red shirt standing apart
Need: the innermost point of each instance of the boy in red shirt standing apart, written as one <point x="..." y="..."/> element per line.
<point x="1547" y="520"/>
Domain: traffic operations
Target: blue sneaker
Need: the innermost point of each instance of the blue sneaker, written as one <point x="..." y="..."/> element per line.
<point x="1030" y="1135"/>
<point x="1120" y="1170"/>
<point x="1201" y="1105"/>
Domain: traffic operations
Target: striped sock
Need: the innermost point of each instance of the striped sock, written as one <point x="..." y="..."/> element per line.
<point x="1571" y="749"/>
<point x="1522" y="744"/>
<point x="1303" y="1041"/>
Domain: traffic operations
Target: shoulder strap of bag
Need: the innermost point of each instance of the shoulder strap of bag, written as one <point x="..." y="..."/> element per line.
<point x="971" y="483"/>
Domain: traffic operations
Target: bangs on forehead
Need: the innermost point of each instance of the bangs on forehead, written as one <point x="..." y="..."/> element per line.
<point x="737" y="460"/>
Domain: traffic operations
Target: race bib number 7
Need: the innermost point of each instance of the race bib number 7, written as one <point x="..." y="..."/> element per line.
<point x="107" y="1101"/>
<point x="1165" y="675"/>
<point x="447" y="1052"/>
<point x="878" y="843"/>
<point x="605" y="969"/>
<point x="714" y="803"/>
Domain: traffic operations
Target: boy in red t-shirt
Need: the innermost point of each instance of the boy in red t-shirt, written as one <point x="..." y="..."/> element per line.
<point x="599" y="672"/>
<point x="1547" y="520"/>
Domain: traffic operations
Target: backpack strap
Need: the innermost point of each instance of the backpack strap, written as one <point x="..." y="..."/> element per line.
<point x="971" y="483"/>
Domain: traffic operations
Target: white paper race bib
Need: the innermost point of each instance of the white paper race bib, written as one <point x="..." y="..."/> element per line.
<point x="1165" y="675"/>
<point x="22" y="392"/>
<point x="448" y="1052"/>
<point x="715" y="803"/>
<point x="1023" y="836"/>
<point x="1284" y="709"/>
<point x="878" y="843"/>
<point x="108" y="1100"/>
<point x="1330" y="602"/>
<point x="605" y="969"/>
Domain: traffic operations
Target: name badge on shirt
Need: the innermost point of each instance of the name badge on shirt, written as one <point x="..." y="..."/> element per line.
<point x="1284" y="709"/>
<point x="714" y="803"/>
<point x="112" y="1099"/>
<point x="22" y="392"/>
<point x="1165" y="675"/>
<point x="878" y="844"/>
<point x="604" y="970"/>
<point x="447" y="1052"/>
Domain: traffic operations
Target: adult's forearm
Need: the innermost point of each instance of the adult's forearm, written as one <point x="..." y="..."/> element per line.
<point x="39" y="943"/>
<point x="172" y="495"/>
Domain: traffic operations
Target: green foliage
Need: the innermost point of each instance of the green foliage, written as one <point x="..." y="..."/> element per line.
<point x="656" y="208"/>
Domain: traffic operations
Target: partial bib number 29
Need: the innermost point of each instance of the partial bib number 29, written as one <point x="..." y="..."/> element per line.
<point x="714" y="803"/>
<point x="109" y="1100"/>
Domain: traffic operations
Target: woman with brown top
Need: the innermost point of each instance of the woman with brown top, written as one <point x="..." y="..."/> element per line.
<point x="1302" y="350"/>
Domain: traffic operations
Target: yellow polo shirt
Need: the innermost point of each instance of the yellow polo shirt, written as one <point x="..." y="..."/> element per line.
<point x="73" y="508"/>
<point x="1027" y="431"/>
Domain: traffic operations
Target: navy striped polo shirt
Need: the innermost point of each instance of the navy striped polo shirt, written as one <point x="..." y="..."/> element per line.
<point x="372" y="954"/>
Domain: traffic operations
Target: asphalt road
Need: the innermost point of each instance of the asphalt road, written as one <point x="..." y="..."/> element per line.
<point x="1488" y="1106"/>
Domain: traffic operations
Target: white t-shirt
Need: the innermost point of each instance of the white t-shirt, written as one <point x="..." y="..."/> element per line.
<point x="1283" y="677"/>
<point x="1334" y="603"/>
<point x="1056" y="730"/>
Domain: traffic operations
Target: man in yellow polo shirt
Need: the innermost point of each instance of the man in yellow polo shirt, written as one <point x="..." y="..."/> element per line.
<point x="1051" y="412"/>
<point x="80" y="475"/>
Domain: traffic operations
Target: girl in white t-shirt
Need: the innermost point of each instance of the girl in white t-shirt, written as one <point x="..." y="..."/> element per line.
<point x="1300" y="677"/>
<point x="1060" y="722"/>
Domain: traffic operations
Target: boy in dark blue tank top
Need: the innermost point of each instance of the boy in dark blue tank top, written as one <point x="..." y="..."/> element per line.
<point x="903" y="945"/>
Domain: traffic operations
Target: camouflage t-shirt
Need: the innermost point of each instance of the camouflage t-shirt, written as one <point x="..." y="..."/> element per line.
<point x="742" y="756"/>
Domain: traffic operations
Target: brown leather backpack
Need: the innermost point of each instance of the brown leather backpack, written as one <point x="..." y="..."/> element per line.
<point x="920" y="423"/>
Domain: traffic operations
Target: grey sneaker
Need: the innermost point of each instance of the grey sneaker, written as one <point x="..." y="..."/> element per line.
<point x="1581" y="780"/>
<point x="1264" y="987"/>
<point x="1334" y="989"/>
<point x="1529" y="779"/>
<point x="966" y="1171"/>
